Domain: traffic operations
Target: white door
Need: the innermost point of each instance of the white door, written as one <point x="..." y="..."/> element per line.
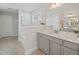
<point x="5" y="25"/>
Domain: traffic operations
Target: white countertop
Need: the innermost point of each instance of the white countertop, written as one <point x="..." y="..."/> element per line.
<point x="68" y="36"/>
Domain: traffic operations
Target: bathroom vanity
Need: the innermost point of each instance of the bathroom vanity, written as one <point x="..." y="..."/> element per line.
<point x="62" y="43"/>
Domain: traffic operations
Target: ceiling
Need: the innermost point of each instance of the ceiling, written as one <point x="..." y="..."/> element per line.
<point x="10" y="7"/>
<point x="66" y="8"/>
<point x="22" y="6"/>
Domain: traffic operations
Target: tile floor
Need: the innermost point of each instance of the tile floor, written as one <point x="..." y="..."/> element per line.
<point x="38" y="52"/>
<point x="11" y="46"/>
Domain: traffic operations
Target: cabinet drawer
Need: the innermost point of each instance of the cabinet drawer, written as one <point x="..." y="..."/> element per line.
<point x="70" y="45"/>
<point x="56" y="40"/>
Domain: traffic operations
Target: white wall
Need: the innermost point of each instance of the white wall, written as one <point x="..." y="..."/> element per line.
<point x="5" y="25"/>
<point x="29" y="37"/>
<point x="10" y="24"/>
<point x="24" y="19"/>
<point x="27" y="33"/>
<point x="15" y="25"/>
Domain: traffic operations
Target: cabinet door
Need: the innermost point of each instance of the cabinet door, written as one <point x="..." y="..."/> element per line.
<point x="43" y="44"/>
<point x="54" y="49"/>
<point x="68" y="51"/>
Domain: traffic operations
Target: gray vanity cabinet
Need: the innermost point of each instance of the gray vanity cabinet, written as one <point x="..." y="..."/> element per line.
<point x="43" y="43"/>
<point x="55" y="45"/>
<point x="69" y="48"/>
<point x="68" y="51"/>
<point x="54" y="48"/>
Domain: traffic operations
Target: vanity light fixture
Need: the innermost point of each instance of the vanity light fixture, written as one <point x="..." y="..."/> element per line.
<point x="54" y="5"/>
<point x="70" y="15"/>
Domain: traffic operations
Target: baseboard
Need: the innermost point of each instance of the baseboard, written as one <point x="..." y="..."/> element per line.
<point x="30" y="51"/>
<point x="8" y="36"/>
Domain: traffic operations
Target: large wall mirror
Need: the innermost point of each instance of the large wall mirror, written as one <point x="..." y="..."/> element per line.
<point x="70" y="22"/>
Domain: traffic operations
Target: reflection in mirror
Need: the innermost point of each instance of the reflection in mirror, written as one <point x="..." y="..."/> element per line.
<point x="69" y="22"/>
